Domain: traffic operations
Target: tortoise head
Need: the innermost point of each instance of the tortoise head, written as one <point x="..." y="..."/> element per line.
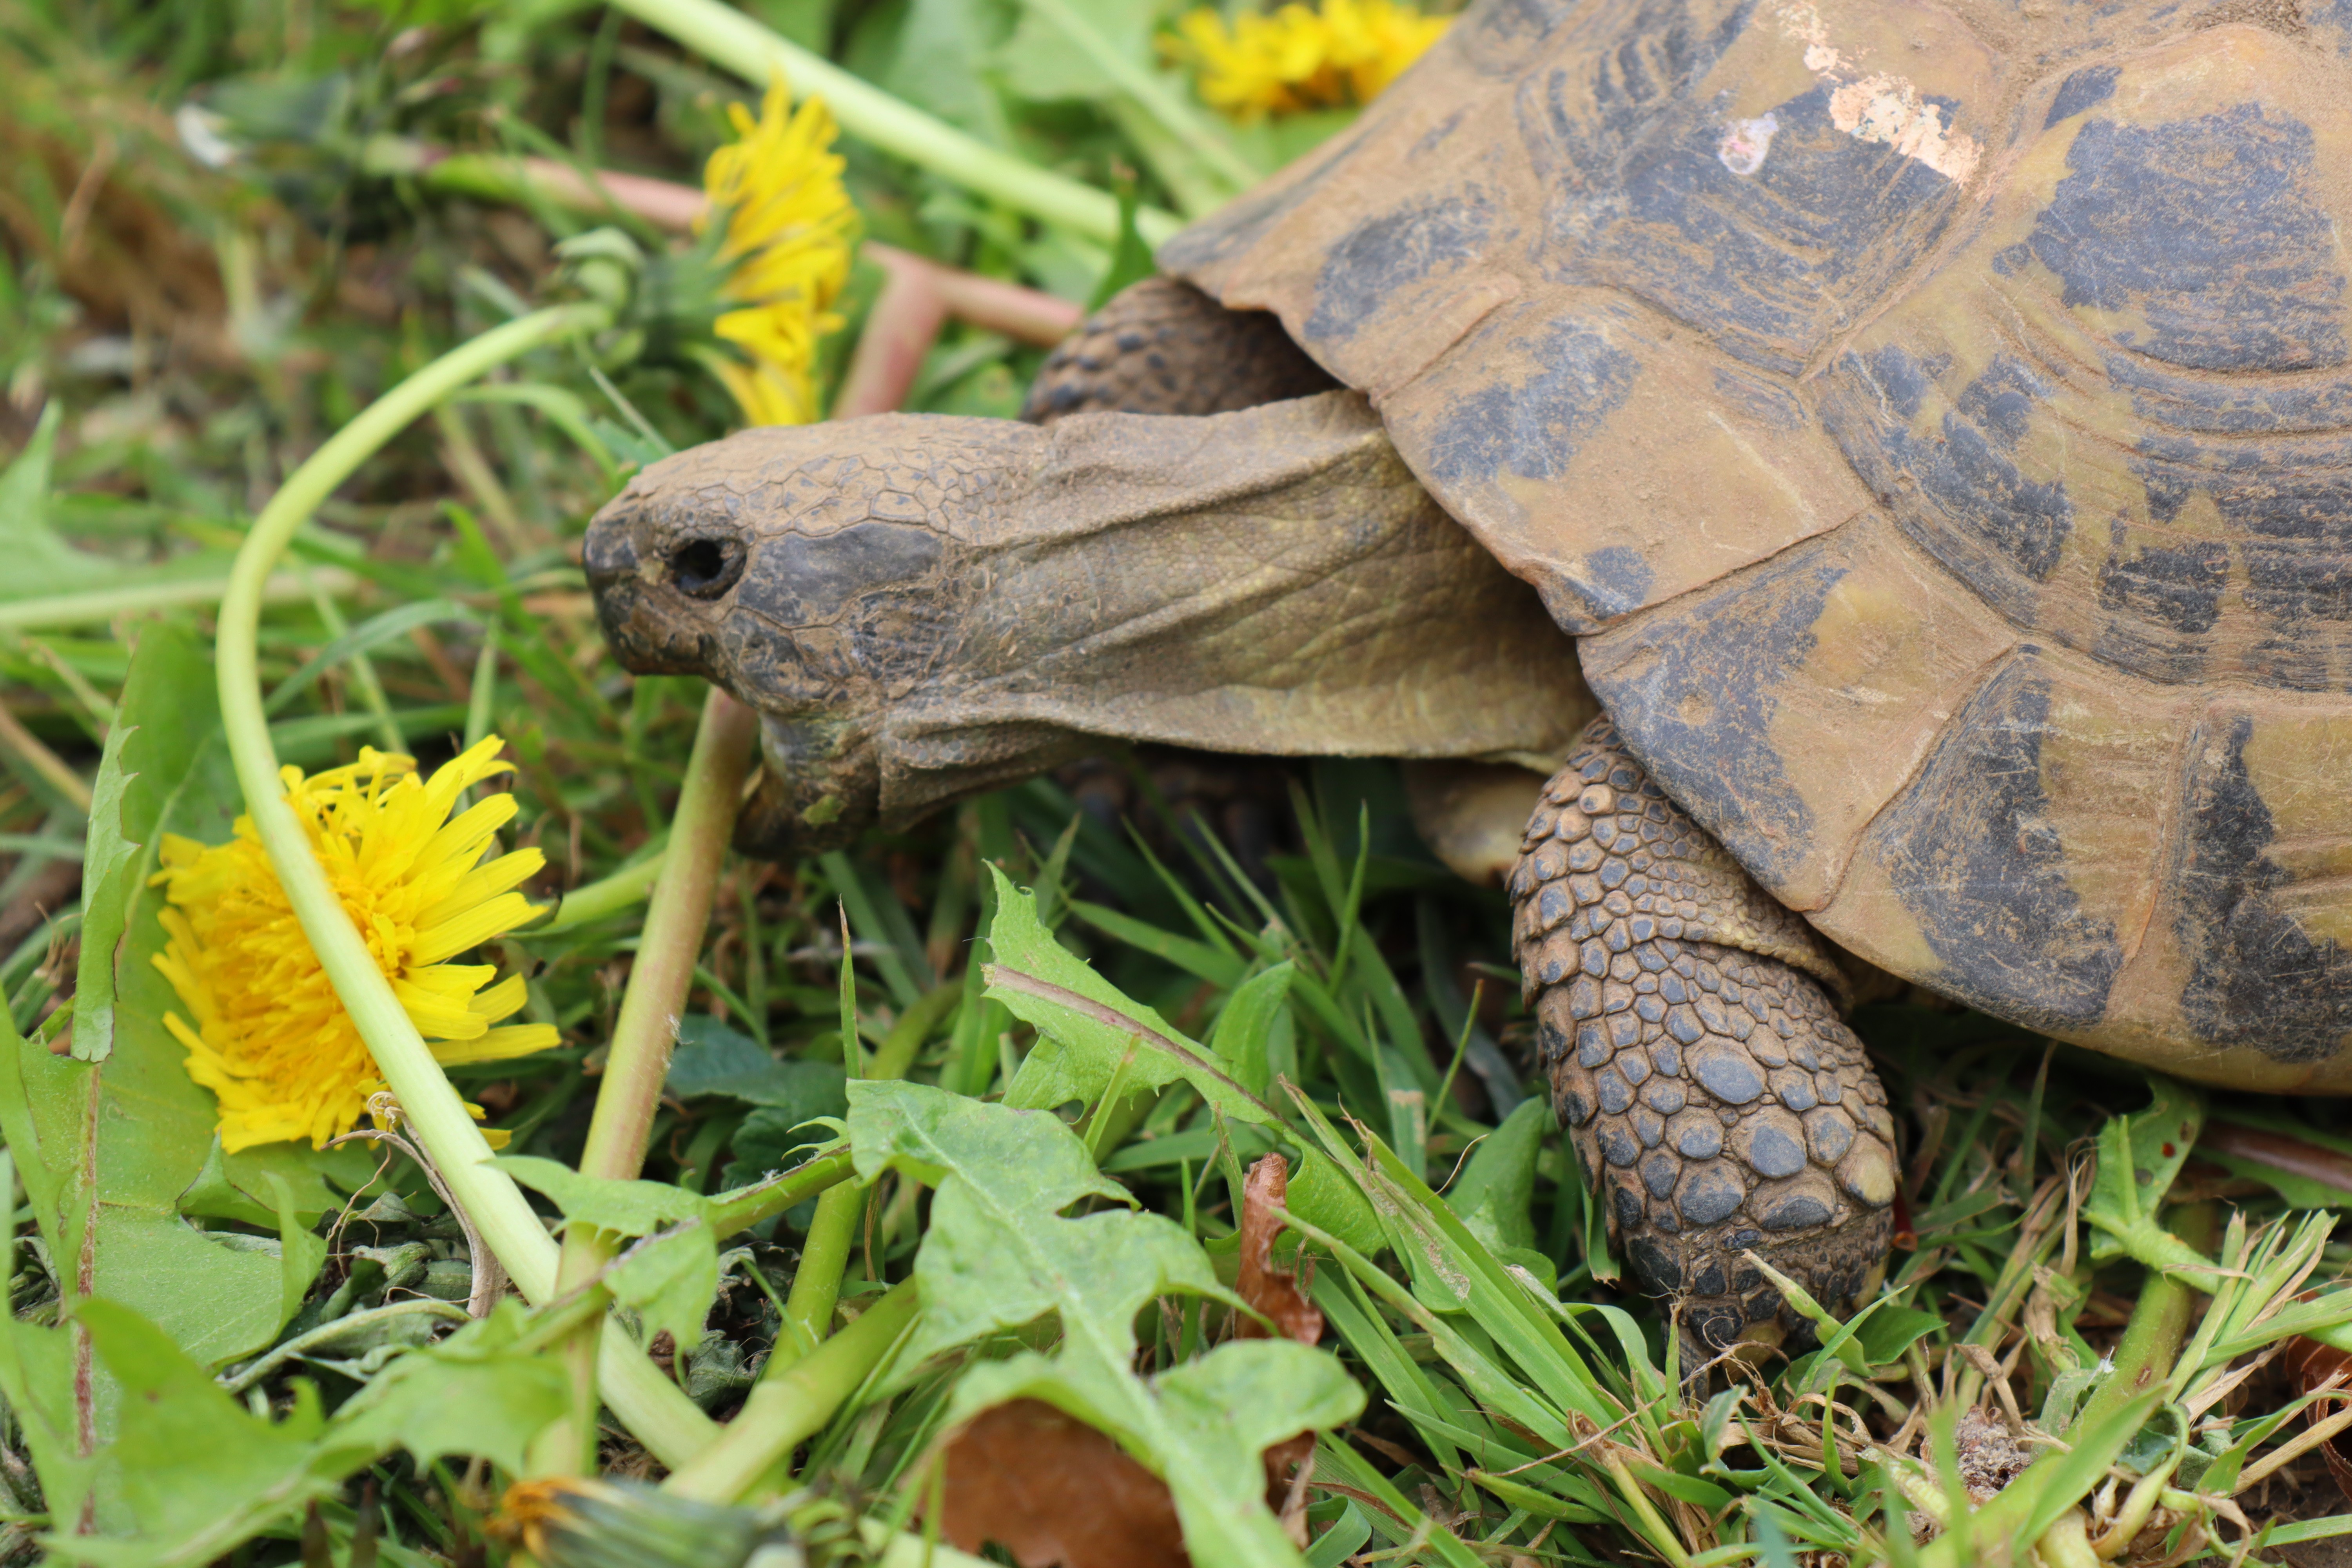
<point x="922" y="607"/>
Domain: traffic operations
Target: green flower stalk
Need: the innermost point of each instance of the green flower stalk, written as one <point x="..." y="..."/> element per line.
<point x="729" y="38"/>
<point x="661" y="1416"/>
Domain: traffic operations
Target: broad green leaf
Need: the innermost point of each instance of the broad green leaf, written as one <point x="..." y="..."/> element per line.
<point x="1494" y="1190"/>
<point x="1887" y="1333"/>
<point x="217" y="1303"/>
<point x="1328" y="1199"/>
<point x="712" y="1059"/>
<point x="1043" y="62"/>
<point x="1000" y="1254"/>
<point x="1215" y="1417"/>
<point x="1090" y="1033"/>
<point x="195" y="1473"/>
<point x="624" y="1208"/>
<point x="155" y="760"/>
<point x="671" y="1280"/>
<point x="36" y="1380"/>
<point x="2139" y="1156"/>
<point x="1244" y="1036"/>
<point x="301" y="1255"/>
<point x="473" y="1393"/>
<point x="239" y="1186"/>
<point x="115" y="1143"/>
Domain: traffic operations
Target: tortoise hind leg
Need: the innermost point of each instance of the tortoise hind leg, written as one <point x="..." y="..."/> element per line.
<point x="1163" y="347"/>
<point x="1717" y="1104"/>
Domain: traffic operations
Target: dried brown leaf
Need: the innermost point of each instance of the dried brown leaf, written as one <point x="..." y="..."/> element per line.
<point x="1056" y="1493"/>
<point x="2314" y="1367"/>
<point x="1270" y="1291"/>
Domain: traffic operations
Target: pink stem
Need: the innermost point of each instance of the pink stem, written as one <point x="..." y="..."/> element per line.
<point x="900" y="330"/>
<point x="1025" y="315"/>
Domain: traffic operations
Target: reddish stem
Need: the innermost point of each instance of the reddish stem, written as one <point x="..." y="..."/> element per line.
<point x="1025" y="315"/>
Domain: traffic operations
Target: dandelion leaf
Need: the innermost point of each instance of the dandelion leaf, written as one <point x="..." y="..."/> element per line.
<point x="671" y="1279"/>
<point x="1048" y="58"/>
<point x="1091" y="1032"/>
<point x="162" y="769"/>
<point x="1002" y="1254"/>
<point x="1494" y="1190"/>
<point x="2139" y="1156"/>
<point x="116" y="1140"/>
<point x="1245" y="1035"/>
<point x="712" y="1059"/>
<point x="1200" y="1426"/>
<point x="473" y="1393"/>
<point x="193" y="1472"/>
<point x="624" y="1208"/>
<point x="109" y="1145"/>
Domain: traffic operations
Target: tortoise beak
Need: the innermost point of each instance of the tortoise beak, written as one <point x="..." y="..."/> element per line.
<point x="651" y="627"/>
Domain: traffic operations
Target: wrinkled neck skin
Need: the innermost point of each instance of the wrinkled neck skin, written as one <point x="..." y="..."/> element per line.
<point x="924" y="607"/>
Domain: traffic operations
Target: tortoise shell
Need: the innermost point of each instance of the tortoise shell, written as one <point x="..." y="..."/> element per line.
<point x="1935" y="422"/>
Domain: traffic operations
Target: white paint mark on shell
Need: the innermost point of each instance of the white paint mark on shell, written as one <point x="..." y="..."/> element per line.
<point x="1889" y="109"/>
<point x="1881" y="107"/>
<point x="1744" y="144"/>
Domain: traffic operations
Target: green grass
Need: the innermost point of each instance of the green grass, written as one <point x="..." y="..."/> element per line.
<point x="175" y="340"/>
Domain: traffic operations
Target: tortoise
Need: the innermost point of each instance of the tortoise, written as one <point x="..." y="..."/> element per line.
<point x="1926" y="430"/>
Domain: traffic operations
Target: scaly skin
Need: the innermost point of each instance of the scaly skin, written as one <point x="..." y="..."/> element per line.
<point x="1164" y="347"/>
<point x="1716" y="1102"/>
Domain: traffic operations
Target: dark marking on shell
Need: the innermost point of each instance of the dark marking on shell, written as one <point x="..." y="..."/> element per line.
<point x="1393" y="251"/>
<point x="1981" y="868"/>
<point x="1533" y="429"/>
<point x="1730" y="649"/>
<point x="1963" y="493"/>
<point x="2085" y="90"/>
<point x="2202" y="228"/>
<point x="2257" y="976"/>
<point x="1765" y="262"/>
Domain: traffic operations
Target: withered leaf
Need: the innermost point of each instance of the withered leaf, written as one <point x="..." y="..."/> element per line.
<point x="1272" y="1293"/>
<point x="1056" y="1493"/>
<point x="2315" y="1367"/>
<point x="1278" y="1295"/>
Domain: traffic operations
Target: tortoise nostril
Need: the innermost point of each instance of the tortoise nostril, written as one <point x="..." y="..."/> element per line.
<point x="705" y="568"/>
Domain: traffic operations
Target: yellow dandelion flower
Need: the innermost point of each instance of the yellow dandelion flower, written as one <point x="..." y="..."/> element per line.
<point x="1295" y="58"/>
<point x="270" y="1038"/>
<point x="789" y="227"/>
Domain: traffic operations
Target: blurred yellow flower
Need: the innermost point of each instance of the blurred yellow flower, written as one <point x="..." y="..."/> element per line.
<point x="271" y="1038"/>
<point x="1297" y="58"/>
<point x="789" y="227"/>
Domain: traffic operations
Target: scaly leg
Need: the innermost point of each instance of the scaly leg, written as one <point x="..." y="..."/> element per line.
<point x="1717" y="1104"/>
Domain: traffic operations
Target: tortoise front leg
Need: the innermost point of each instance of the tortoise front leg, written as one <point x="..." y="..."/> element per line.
<point x="1717" y="1104"/>
<point x="1163" y="347"/>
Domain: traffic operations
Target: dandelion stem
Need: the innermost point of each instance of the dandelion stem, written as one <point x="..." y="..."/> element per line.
<point x="638" y="1058"/>
<point x="730" y="38"/>
<point x="105" y="603"/>
<point x="782" y="1411"/>
<point x="1149" y="92"/>
<point x="661" y="1416"/>
<point x="2159" y="1321"/>
<point x="607" y="896"/>
<point x="647" y="1026"/>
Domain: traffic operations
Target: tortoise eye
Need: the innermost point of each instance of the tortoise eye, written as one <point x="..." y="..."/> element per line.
<point x="705" y="568"/>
